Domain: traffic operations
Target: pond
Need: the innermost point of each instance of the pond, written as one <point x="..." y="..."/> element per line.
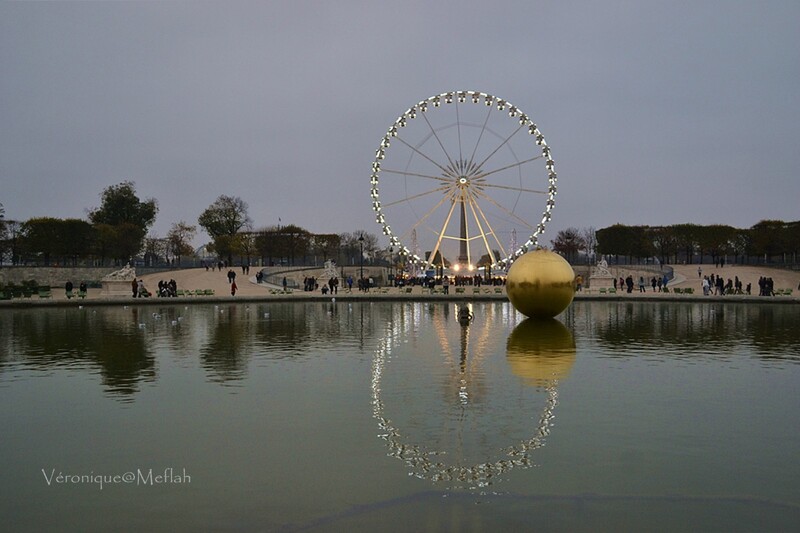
<point x="394" y="416"/>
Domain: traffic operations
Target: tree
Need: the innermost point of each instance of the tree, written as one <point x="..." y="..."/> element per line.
<point x="246" y="244"/>
<point x="326" y="245"/>
<point x="792" y="232"/>
<point x="41" y="237"/>
<point x="78" y="238"/>
<point x="686" y="239"/>
<point x="11" y="245"/>
<point x="3" y="234"/>
<point x="179" y="239"/>
<point x="486" y="259"/>
<point x="127" y="215"/>
<point x="155" y="248"/>
<point x="614" y="240"/>
<point x="352" y="246"/>
<point x="715" y="240"/>
<point x="663" y="242"/>
<point x="569" y="242"/>
<point x="222" y="220"/>
<point x="437" y="259"/>
<point x="370" y="243"/>
<point x="590" y="238"/>
<point x="349" y="247"/>
<point x="768" y="238"/>
<point x="292" y="241"/>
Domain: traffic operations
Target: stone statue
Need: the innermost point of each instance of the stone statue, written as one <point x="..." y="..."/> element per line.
<point x="330" y="269"/>
<point x="126" y="273"/>
<point x="602" y="269"/>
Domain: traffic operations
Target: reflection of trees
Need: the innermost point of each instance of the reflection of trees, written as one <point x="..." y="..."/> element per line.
<point x="280" y="330"/>
<point x="69" y="337"/>
<point x="683" y="328"/>
<point x="224" y="353"/>
<point x="292" y="328"/>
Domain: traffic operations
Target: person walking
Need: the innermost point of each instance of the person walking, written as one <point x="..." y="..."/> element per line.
<point x="233" y="288"/>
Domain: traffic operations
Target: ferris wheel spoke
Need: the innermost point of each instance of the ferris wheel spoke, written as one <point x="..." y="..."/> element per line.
<point x="404" y="173"/>
<point x="495" y="171"/>
<point x="425" y="216"/>
<point x="505" y="141"/>
<point x="406" y="199"/>
<point x="423" y="155"/>
<point x="480" y="136"/>
<point x="429" y="262"/>
<point x="505" y="210"/>
<point x="458" y="129"/>
<point x="438" y="140"/>
<point x="491" y="232"/>
<point x="519" y="189"/>
<point x="472" y="206"/>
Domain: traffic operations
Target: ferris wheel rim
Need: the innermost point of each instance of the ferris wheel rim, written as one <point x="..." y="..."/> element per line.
<point x="454" y="171"/>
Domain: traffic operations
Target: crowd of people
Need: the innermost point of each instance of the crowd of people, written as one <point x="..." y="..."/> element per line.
<point x="657" y="283"/>
<point x="711" y="284"/>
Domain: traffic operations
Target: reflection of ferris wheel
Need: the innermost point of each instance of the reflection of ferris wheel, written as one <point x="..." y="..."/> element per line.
<point x="470" y="393"/>
<point x="463" y="171"/>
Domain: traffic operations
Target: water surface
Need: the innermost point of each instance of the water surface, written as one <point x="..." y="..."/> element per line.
<point x="394" y="416"/>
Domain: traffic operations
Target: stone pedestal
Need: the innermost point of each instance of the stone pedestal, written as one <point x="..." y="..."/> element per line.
<point x="601" y="282"/>
<point x="112" y="288"/>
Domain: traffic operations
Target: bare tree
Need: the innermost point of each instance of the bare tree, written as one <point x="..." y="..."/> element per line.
<point x="590" y="238"/>
<point x="569" y="242"/>
<point x="179" y="239"/>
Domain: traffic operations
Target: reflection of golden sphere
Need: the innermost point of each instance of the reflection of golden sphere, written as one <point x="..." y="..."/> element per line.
<point x="540" y="284"/>
<point x="540" y="351"/>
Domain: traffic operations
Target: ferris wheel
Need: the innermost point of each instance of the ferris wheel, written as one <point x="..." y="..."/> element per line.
<point x="462" y="172"/>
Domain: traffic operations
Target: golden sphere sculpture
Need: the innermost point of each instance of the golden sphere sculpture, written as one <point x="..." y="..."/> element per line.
<point x="540" y="284"/>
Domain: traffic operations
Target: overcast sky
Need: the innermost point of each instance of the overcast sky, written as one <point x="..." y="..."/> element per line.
<point x="656" y="112"/>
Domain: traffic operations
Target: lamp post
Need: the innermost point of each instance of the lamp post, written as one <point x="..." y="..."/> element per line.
<point x="361" y="247"/>
<point x="391" y="264"/>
